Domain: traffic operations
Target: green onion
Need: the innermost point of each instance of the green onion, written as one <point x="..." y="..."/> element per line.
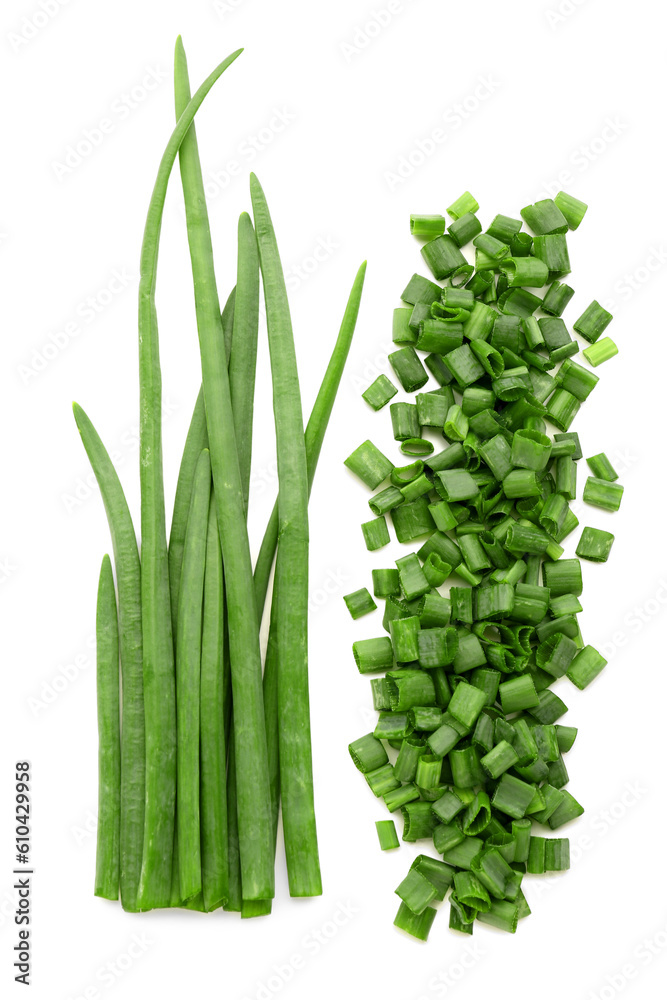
<point x="562" y="408"/>
<point x="585" y="667"/>
<point x="600" y="493"/>
<point x="465" y="203"/>
<point x="380" y="391"/>
<point x="369" y="464"/>
<point x="386" y="830"/>
<point x="595" y="545"/>
<point x="417" y="925"/>
<point x="128" y="572"/>
<point x="188" y="682"/>
<point x="427" y="225"/>
<point x="597" y="353"/>
<point x="545" y="217"/>
<point x="404" y="421"/>
<point x="524" y="272"/>
<point x="373" y="655"/>
<point x="462" y="230"/>
<point x="466" y="697"/>
<point x="602" y="468"/>
<point x="409" y="369"/>
<point x="557" y="298"/>
<point x="376" y="533"/>
<point x="593" y="322"/>
<point x="213" y="804"/>
<point x="416" y="446"/>
<point x="107" y="868"/>
<point x="573" y="209"/>
<point x="359" y="603"/>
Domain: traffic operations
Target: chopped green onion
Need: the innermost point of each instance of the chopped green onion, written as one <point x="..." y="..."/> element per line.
<point x="404" y="421"/>
<point x="368" y="753"/>
<point x="385" y="582"/>
<point x="577" y="380"/>
<point x="411" y="575"/>
<point x="458" y="484"/>
<point x="600" y="493"/>
<point x="531" y="450"/>
<point x="524" y="272"/>
<point x="595" y="544"/>
<point x="442" y="256"/>
<point x="380" y="391"/>
<point x="376" y="534"/>
<point x="573" y="209"/>
<point x="420" y="289"/>
<point x="568" y="810"/>
<point x="386" y="500"/>
<point x="359" y="603"/>
<point x="562" y="408"/>
<point x="462" y="230"/>
<point x="409" y="369"/>
<point x="557" y="855"/>
<point x="401" y="332"/>
<point x="593" y="322"/>
<point x="597" y="353"/>
<point x="545" y="217"/>
<point x="416" y="446"/>
<point x="521" y="483"/>
<point x="386" y="830"/>
<point x="518" y="694"/>
<point x="432" y="409"/>
<point x="418" y="926"/>
<point x="552" y="250"/>
<point x="412" y="520"/>
<point x="373" y="655"/>
<point x="585" y="667"/>
<point x="463" y="204"/>
<point x="369" y="464"/>
<point x="427" y="225"/>
<point x="602" y="468"/>
<point x="438" y="336"/>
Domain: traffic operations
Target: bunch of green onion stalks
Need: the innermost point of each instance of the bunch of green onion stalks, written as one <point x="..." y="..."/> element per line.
<point x="480" y="623"/>
<point x="201" y="742"/>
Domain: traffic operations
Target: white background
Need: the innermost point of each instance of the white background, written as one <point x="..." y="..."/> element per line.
<point x="521" y="96"/>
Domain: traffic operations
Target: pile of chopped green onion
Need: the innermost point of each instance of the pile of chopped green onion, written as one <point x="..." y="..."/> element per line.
<point x="201" y="742"/>
<point x="464" y="675"/>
